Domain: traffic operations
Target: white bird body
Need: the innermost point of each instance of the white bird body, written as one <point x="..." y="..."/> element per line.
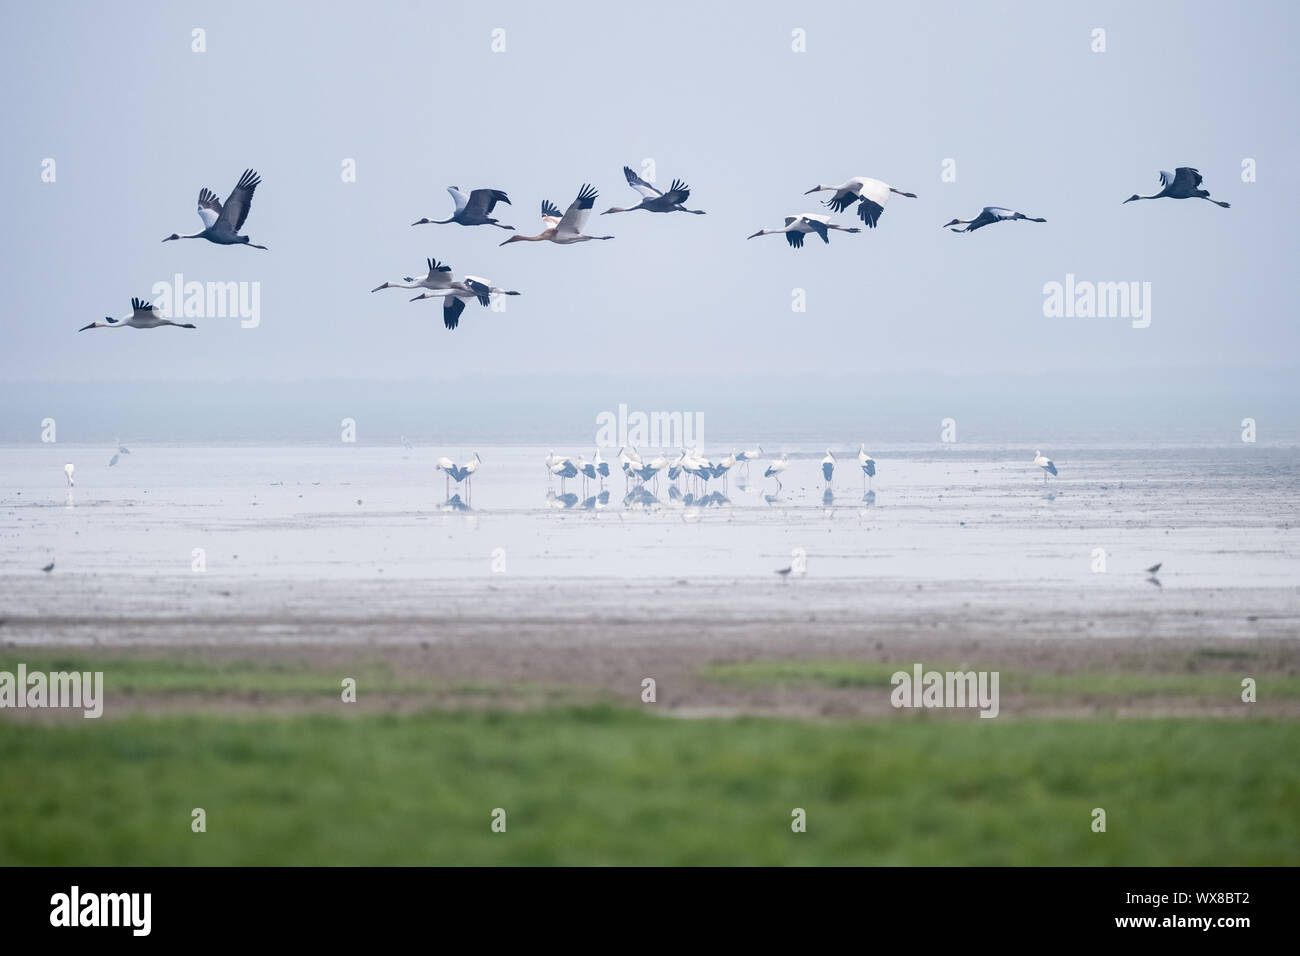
<point x="438" y="277"/>
<point x="143" y="316"/>
<point x="870" y="194"/>
<point x="567" y="229"/>
<point x="221" y="223"/>
<point x="867" y="463"/>
<point x="798" y="226"/>
<point x="828" y="465"/>
<point x="1045" y="463"/>
<point x="67" y="473"/>
<point x="454" y="293"/>
<point x="777" y="466"/>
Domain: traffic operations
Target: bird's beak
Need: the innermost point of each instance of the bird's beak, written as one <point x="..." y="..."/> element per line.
<point x="419" y="222"/>
<point x="947" y="224"/>
<point x="813" y="190"/>
<point x="378" y="287"/>
<point x="90" y="326"/>
<point x="759" y="233"/>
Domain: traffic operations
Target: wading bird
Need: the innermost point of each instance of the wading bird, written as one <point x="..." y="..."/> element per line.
<point x="67" y="473"/>
<point x="221" y="224"/>
<point x="1045" y="463"/>
<point x="564" y="469"/>
<point x="1180" y="184"/>
<point x="988" y="216"/>
<point x="796" y="227"/>
<point x="871" y="194"/>
<point x="653" y="199"/>
<point x="867" y="462"/>
<point x="472" y="210"/>
<point x="828" y="466"/>
<point x="568" y="228"/>
<point x="142" y="316"/>
<point x="458" y="473"/>
<point x="776" y="467"/>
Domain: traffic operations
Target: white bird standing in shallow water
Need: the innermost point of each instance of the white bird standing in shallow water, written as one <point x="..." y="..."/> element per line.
<point x="870" y="194"/>
<point x="1045" y="463"/>
<point x="776" y="467"/>
<point x="67" y="473"/>
<point x="867" y="463"/>
<point x="828" y="466"/>
<point x="988" y="216"/>
<point x="143" y="316"/>
<point x="796" y="227"/>
<point x="221" y="224"/>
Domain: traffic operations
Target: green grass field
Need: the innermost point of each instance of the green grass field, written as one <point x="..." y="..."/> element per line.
<point x="589" y="785"/>
<point x="1112" y="682"/>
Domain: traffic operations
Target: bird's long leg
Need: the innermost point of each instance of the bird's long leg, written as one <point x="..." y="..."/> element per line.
<point x="1217" y="203"/>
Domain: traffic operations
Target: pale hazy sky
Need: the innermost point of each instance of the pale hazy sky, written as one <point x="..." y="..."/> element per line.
<point x="1035" y="120"/>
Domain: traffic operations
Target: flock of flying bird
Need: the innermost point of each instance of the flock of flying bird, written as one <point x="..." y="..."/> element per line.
<point x="222" y="222"/>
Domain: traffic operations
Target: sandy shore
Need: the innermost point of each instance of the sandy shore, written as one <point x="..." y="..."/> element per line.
<point x="595" y="639"/>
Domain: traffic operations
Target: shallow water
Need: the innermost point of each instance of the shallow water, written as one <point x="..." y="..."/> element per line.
<point x="1215" y="516"/>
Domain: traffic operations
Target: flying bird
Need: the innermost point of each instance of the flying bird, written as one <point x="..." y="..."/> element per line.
<point x="796" y="227"/>
<point x="654" y="200"/>
<point x="1045" y="463"/>
<point x="143" y="316"/>
<point x="472" y="210"/>
<point x="988" y="216"/>
<point x="112" y="461"/>
<point x="870" y="194"/>
<point x="1154" y="569"/>
<point x="221" y="224"/>
<point x="439" y="277"/>
<point x="1182" y="183"/>
<point x="567" y="229"/>
<point x="48" y="568"/>
<point x="452" y="292"/>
